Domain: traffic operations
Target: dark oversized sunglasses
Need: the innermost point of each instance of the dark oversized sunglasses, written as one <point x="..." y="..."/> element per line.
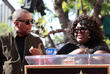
<point x="81" y="30"/>
<point x="27" y="22"/>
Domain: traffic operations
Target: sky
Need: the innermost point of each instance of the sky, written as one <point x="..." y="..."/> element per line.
<point x="15" y="3"/>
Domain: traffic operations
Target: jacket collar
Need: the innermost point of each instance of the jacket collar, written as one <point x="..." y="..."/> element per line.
<point x="14" y="33"/>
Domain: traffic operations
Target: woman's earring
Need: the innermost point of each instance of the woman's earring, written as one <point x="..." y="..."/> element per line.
<point x="88" y="36"/>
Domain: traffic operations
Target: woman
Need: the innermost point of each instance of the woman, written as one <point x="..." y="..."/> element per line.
<point x="87" y="38"/>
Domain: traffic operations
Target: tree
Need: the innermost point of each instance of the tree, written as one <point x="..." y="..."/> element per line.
<point x="62" y="8"/>
<point x="63" y="16"/>
<point x="83" y="7"/>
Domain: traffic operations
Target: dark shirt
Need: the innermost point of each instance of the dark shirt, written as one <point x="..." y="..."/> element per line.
<point x="20" y="44"/>
<point x="67" y="48"/>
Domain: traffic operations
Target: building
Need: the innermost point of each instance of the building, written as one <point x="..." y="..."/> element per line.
<point x="5" y="13"/>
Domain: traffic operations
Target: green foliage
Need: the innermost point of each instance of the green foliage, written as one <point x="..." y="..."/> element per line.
<point x="106" y="39"/>
<point x="66" y="6"/>
<point x="87" y="5"/>
<point x="69" y="6"/>
<point x="73" y="4"/>
<point x="44" y="33"/>
<point x="57" y="39"/>
<point x="80" y="12"/>
<point x="4" y="28"/>
<point x="108" y="42"/>
<point x="105" y="9"/>
<point x="79" y="4"/>
<point x="20" y="2"/>
<point x="40" y="21"/>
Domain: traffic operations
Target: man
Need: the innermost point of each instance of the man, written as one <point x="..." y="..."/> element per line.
<point x="14" y="46"/>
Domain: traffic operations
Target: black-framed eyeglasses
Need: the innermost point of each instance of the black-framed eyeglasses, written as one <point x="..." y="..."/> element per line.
<point x="27" y="22"/>
<point x="81" y="30"/>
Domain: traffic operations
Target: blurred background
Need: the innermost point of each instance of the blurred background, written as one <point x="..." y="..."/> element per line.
<point x="53" y="17"/>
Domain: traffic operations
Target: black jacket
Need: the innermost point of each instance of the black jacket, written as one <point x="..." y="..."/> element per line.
<point x="67" y="48"/>
<point x="9" y="56"/>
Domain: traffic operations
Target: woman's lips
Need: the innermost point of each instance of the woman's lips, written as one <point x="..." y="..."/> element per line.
<point x="80" y="36"/>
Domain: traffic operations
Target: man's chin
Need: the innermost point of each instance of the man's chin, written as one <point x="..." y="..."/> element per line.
<point x="26" y="33"/>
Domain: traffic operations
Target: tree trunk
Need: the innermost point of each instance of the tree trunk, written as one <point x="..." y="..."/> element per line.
<point x="63" y="16"/>
<point x="97" y="10"/>
<point x="49" y="42"/>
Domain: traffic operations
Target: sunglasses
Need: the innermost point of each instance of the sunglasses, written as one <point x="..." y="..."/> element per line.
<point x="81" y="30"/>
<point x="27" y="22"/>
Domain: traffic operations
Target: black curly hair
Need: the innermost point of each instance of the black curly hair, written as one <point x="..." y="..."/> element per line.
<point x="95" y="32"/>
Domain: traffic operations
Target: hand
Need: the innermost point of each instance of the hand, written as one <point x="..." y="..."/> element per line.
<point x="36" y="51"/>
<point x="77" y="51"/>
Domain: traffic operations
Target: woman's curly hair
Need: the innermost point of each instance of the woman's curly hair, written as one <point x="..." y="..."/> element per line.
<point x="95" y="32"/>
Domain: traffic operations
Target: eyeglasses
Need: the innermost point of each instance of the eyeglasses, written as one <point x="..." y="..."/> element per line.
<point x="27" y="22"/>
<point x="81" y="30"/>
